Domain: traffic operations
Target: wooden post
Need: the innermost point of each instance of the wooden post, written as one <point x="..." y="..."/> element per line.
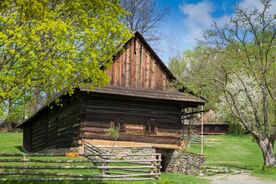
<point x="202" y="131"/>
<point x="82" y="146"/>
<point x="103" y="169"/>
<point x="24" y="161"/>
<point x="154" y="165"/>
<point x="158" y="165"/>
<point x="183" y="121"/>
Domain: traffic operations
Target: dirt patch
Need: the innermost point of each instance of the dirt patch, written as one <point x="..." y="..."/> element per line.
<point x="243" y="178"/>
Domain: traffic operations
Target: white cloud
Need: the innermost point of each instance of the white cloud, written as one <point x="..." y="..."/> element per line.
<point x="198" y="17"/>
<point x="249" y="4"/>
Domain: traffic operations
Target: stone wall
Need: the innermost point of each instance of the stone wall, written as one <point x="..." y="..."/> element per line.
<point x="58" y="150"/>
<point x="184" y="162"/>
<point x="130" y="150"/>
<point x="174" y="161"/>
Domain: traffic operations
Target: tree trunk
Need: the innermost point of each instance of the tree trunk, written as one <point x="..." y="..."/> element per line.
<point x="268" y="152"/>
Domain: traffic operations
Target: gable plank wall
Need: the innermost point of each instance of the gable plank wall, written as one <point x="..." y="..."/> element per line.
<point x="135" y="67"/>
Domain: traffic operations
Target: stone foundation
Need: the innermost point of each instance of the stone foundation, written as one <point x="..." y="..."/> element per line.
<point x="174" y="161"/>
<point x="184" y="162"/>
<point x="59" y="150"/>
<point x="130" y="150"/>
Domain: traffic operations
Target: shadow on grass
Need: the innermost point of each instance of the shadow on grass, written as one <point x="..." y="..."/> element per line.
<point x="20" y="148"/>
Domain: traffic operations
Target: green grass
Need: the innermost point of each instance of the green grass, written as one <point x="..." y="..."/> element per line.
<point x="235" y="152"/>
<point x="227" y="151"/>
<point x="12" y="143"/>
<point x="164" y="179"/>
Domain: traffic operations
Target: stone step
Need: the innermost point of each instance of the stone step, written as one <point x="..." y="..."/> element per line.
<point x="213" y="170"/>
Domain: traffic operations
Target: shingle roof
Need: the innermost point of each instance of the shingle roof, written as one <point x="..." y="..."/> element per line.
<point x="174" y="96"/>
<point x="150" y="94"/>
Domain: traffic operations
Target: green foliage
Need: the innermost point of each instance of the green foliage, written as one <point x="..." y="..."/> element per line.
<point x="194" y="71"/>
<point x="55" y="45"/>
<point x="178" y="66"/>
<point x="235" y="128"/>
<point x="113" y="133"/>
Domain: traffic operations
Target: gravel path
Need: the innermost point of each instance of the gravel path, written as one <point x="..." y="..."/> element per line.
<point x="244" y="178"/>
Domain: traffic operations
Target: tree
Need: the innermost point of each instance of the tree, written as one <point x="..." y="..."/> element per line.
<point x="192" y="70"/>
<point x="55" y="45"/>
<point x="144" y="16"/>
<point x="243" y="53"/>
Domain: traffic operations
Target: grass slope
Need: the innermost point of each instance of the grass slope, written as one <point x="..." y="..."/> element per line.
<point x="11" y="143"/>
<point x="235" y="152"/>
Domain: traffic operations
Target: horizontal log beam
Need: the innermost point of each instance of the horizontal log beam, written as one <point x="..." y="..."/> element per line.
<point x="62" y="155"/>
<point x="74" y="179"/>
<point x="76" y="175"/>
<point x="75" y="167"/>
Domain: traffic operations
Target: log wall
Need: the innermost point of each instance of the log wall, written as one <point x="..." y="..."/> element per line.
<point x="100" y="113"/>
<point x="57" y="128"/>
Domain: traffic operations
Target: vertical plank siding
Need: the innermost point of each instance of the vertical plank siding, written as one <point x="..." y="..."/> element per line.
<point x="135" y="67"/>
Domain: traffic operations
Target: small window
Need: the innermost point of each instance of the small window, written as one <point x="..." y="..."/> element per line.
<point x="216" y="128"/>
<point x="118" y="123"/>
<point x="120" y="126"/>
<point x="150" y="125"/>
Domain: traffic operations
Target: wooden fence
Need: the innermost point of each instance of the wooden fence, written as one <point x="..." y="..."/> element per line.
<point x="74" y="166"/>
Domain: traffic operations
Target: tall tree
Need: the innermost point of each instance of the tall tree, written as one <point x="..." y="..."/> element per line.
<point x="144" y="16"/>
<point x="243" y="53"/>
<point x="56" y="45"/>
<point x="192" y="70"/>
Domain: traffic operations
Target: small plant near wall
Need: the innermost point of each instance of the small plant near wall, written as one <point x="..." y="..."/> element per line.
<point x="114" y="134"/>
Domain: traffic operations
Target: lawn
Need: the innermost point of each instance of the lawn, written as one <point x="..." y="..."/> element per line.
<point x="235" y="152"/>
<point x="225" y="150"/>
<point x="11" y="143"/>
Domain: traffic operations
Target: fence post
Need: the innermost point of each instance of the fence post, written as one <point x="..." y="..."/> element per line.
<point x="158" y="164"/>
<point x="24" y="161"/>
<point x="153" y="165"/>
<point x="103" y="169"/>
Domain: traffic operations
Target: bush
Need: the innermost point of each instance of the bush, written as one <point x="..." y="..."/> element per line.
<point x="235" y="128"/>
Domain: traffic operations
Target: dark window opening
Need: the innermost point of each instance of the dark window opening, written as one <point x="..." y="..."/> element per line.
<point x="150" y="125"/>
<point x="119" y="124"/>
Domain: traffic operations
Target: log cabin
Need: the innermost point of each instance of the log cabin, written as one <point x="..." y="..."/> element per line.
<point x="139" y="101"/>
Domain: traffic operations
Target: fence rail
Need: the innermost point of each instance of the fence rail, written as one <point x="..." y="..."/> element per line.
<point x="88" y="166"/>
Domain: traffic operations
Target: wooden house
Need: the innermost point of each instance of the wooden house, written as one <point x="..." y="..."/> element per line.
<point x="139" y="101"/>
<point x="212" y="124"/>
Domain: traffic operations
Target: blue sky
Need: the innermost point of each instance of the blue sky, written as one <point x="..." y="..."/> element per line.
<point x="188" y="18"/>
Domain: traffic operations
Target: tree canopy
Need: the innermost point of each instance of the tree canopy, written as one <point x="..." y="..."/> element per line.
<point x="144" y="16"/>
<point x="55" y="45"/>
<point x="237" y="62"/>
